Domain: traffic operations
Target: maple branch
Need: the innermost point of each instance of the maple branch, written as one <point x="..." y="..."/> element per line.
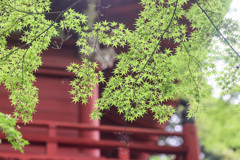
<point x="162" y="35"/>
<point x="57" y="18"/>
<point x="217" y="29"/>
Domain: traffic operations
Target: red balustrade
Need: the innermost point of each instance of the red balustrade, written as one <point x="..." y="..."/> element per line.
<point x="189" y="150"/>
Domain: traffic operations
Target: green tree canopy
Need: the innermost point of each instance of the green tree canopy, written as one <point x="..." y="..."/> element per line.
<point x="145" y="76"/>
<point x="218" y="129"/>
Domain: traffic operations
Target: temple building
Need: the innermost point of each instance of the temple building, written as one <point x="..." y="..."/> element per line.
<point x="63" y="130"/>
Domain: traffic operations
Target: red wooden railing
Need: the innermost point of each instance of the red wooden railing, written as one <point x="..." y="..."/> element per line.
<point x="52" y="140"/>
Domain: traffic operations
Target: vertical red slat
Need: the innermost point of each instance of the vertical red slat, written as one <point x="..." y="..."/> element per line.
<point x="52" y="146"/>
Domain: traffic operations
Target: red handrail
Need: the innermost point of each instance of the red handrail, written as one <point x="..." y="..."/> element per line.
<point x="105" y="128"/>
<point x="52" y="140"/>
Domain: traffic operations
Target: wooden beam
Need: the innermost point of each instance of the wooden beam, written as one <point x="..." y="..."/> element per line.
<point x="48" y="157"/>
<point x="107" y="128"/>
<point x="109" y="144"/>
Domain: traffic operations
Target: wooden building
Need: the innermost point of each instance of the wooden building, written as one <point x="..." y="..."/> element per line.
<point x="63" y="130"/>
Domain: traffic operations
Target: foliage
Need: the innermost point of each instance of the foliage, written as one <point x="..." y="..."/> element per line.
<point x="218" y="129"/>
<point x="156" y="157"/>
<point x="7" y="126"/>
<point x="228" y="74"/>
<point x="84" y="75"/>
<point x="145" y="76"/>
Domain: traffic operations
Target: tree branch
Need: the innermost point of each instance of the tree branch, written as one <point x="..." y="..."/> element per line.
<point x="62" y="12"/>
<point x="217" y="29"/>
<point x="162" y="34"/>
<point x="57" y="12"/>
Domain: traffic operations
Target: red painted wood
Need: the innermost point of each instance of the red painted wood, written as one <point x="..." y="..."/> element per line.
<point x="45" y="157"/>
<point x="54" y="100"/>
<point x="104" y="128"/>
<point x="179" y="157"/>
<point x="191" y="142"/>
<point x="84" y="117"/>
<point x="123" y="153"/>
<point x="107" y="144"/>
<point x="60" y="136"/>
<point x="52" y="147"/>
<point x="54" y="106"/>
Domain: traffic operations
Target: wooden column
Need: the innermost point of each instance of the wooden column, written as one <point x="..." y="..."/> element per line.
<point x="191" y="142"/>
<point x="84" y="117"/>
<point x="190" y="134"/>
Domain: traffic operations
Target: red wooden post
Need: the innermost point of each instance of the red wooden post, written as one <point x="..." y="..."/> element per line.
<point x="191" y="142"/>
<point x="84" y="112"/>
<point x="124" y="153"/>
<point x="52" y="146"/>
<point x="190" y="134"/>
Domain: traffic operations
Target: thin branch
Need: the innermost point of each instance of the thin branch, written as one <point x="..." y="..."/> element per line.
<point x="62" y="12"/>
<point x="134" y="95"/>
<point x="23" y="59"/>
<point x="193" y="57"/>
<point x="58" y="45"/>
<point x="162" y="35"/>
<point x="217" y="29"/>
<point x="57" y="12"/>
<point x="96" y="42"/>
<point x="190" y="71"/>
<point x="160" y="38"/>
<point x="213" y="12"/>
<point x="17" y="20"/>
